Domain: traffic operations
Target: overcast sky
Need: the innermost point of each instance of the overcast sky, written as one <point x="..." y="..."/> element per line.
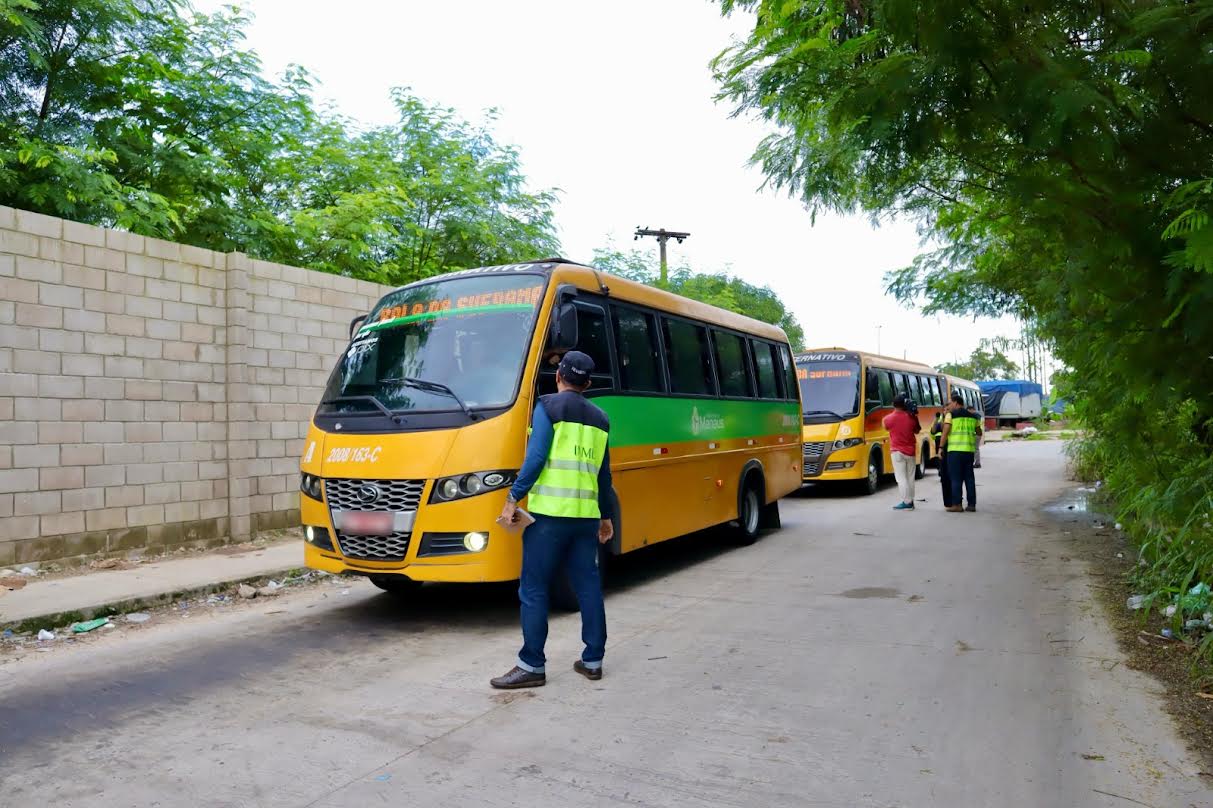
<point x="612" y="103"/>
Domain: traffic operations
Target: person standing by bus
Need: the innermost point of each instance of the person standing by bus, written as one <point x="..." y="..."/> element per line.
<point x="567" y="472"/>
<point x="960" y="436"/>
<point x="902" y="427"/>
<point x="945" y="482"/>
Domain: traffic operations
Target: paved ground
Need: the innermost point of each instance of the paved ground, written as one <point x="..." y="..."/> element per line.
<point x="858" y="657"/>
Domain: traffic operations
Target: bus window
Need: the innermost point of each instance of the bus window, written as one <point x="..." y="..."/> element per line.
<point x="933" y="386"/>
<point x="732" y="366"/>
<point x="764" y="362"/>
<point x="594" y="339"/>
<point x="916" y="389"/>
<point x="871" y="392"/>
<point x="639" y="356"/>
<point x="829" y="388"/>
<point x="689" y="358"/>
<point x="789" y="373"/>
<point x="886" y="389"/>
<point x="899" y="383"/>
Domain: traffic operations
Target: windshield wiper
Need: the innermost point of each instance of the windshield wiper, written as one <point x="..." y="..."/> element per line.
<point x="433" y="387"/>
<point x="825" y="412"/>
<point x="378" y="404"/>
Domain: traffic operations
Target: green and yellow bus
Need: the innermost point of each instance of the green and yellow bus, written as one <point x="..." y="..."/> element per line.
<point x="422" y="426"/>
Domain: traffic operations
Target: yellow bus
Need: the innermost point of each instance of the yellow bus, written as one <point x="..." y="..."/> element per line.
<point x="422" y="427"/>
<point x="968" y="390"/>
<point x="846" y="395"/>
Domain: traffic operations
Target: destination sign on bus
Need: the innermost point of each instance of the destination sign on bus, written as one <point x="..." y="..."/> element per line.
<point x="845" y="373"/>
<point x="827" y="356"/>
<point x="527" y="297"/>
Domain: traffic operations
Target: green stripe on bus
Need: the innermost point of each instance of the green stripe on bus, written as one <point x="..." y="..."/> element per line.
<point x="430" y="315"/>
<point x="645" y="420"/>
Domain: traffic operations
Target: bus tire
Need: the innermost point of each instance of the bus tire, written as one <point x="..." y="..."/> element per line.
<point x="870" y="484"/>
<point x="920" y="470"/>
<point x="397" y="586"/>
<point x="749" y="510"/>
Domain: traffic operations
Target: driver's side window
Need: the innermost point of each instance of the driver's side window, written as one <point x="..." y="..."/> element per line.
<point x="594" y="340"/>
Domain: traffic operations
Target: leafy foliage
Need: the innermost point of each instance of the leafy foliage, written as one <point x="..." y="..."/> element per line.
<point x="717" y="289"/>
<point x="1061" y="153"/>
<point x="988" y="361"/>
<point x="145" y="115"/>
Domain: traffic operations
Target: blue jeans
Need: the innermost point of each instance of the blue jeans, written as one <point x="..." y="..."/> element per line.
<point x="548" y="546"/>
<point x="960" y="471"/>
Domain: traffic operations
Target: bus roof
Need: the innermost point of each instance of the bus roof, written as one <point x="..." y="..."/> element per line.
<point x="594" y="280"/>
<point x="956" y="381"/>
<point x="888" y="362"/>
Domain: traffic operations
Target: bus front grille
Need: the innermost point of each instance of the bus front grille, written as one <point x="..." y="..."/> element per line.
<point x="387" y="495"/>
<point x="391" y="547"/>
<point x="813" y="455"/>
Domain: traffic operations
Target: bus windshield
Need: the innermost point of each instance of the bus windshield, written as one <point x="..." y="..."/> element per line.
<point x="829" y="390"/>
<point x="448" y="345"/>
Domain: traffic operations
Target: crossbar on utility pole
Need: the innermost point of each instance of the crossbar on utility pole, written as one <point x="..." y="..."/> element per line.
<point x="662" y="235"/>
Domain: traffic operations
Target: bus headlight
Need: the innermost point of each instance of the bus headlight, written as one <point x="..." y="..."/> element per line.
<point x="847" y="443"/>
<point x="475" y="542"/>
<point x="311" y="485"/>
<point x="448" y="488"/>
<point x="469" y="485"/>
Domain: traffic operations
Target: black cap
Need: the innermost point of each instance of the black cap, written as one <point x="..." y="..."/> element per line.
<point x="576" y="368"/>
<point x="900" y="400"/>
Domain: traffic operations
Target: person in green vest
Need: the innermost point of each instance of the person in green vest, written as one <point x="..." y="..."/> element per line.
<point x="960" y="435"/>
<point x="567" y="473"/>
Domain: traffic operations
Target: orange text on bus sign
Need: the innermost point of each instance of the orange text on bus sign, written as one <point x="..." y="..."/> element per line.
<point x="512" y="297"/>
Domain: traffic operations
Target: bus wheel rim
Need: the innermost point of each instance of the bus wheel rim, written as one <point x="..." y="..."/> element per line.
<point x="873" y="475"/>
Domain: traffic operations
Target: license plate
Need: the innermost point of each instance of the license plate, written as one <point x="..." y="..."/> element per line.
<point x="367" y="524"/>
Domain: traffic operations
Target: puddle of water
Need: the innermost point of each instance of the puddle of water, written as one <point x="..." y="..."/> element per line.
<point x="871" y="592"/>
<point x="1076" y="502"/>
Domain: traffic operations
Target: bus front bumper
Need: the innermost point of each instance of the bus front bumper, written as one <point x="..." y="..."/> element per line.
<point x="821" y="464"/>
<point x="501" y="560"/>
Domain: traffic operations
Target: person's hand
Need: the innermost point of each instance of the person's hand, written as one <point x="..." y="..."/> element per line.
<point x="606" y="531"/>
<point x="509" y="512"/>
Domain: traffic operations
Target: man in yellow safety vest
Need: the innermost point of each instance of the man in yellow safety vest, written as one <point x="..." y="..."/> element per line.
<point x="960" y="435"/>
<point x="567" y="474"/>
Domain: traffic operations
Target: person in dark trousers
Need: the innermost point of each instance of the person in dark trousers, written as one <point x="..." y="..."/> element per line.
<point x="945" y="482"/>
<point x="567" y="473"/>
<point x="959" y="440"/>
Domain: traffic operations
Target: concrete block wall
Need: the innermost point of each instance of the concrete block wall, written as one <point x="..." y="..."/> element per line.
<point x="153" y="394"/>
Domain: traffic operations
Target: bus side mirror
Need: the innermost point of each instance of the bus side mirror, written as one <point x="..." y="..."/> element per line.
<point x="563" y="333"/>
<point x="357" y="321"/>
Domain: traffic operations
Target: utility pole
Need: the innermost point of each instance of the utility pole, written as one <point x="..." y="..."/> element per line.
<point x="662" y="237"/>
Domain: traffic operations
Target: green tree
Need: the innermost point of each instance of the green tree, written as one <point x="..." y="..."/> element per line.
<point x="718" y="289"/>
<point x="145" y="115"/>
<point x="987" y="362"/>
<point x="1061" y="154"/>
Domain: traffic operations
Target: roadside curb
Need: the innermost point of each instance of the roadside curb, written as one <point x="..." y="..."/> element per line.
<point x="113" y="608"/>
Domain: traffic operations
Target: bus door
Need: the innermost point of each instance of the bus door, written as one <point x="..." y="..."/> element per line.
<point x="878" y="404"/>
